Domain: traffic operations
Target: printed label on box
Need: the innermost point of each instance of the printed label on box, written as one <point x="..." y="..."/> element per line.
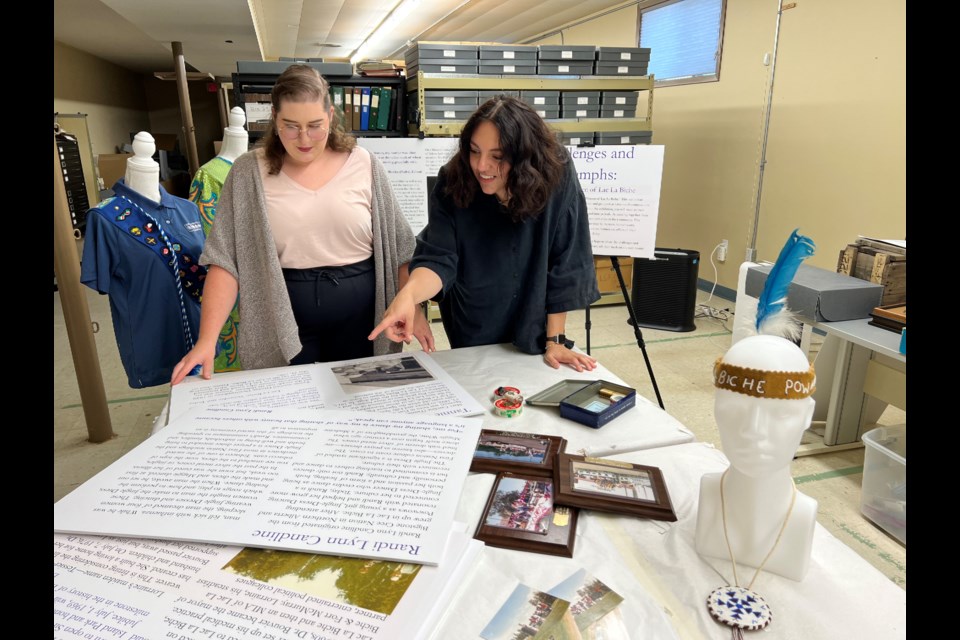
<point x="621" y="100"/>
<point x="581" y="113"/>
<point x="624" y="139"/>
<point x="566" y="54"/>
<point x="623" y="69"/>
<point x="618" y="113"/>
<point x="563" y="67"/>
<point x="449" y="114"/>
<point x="509" y="68"/>
<point x="542" y="114"/>
<point x="540" y="100"/>
<point x="449" y="53"/>
<point x="508" y="55"/>
<point x="583" y="100"/>
<point x="624" y="55"/>
<point x="574" y="140"/>
<point x="447" y="68"/>
<point x="449" y="100"/>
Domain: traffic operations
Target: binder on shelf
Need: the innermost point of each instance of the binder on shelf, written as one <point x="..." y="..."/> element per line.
<point x="374" y="107"/>
<point x="357" y="94"/>
<point x="347" y="109"/>
<point x="386" y="104"/>
<point x="336" y="97"/>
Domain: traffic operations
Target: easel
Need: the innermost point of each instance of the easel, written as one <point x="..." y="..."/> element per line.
<point x="615" y="261"/>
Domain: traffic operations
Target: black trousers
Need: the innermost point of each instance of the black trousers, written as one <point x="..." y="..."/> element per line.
<point x="334" y="310"/>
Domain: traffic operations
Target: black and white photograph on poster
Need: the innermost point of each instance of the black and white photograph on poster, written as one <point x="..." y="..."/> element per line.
<point x="364" y="376"/>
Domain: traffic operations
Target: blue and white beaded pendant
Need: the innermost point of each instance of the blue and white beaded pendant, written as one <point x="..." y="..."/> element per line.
<point x="740" y="608"/>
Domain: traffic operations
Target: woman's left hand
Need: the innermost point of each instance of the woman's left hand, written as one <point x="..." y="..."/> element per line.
<point x="558" y="354"/>
<point x="423" y="333"/>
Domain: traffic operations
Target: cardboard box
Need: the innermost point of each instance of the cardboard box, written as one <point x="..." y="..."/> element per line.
<point x="818" y="295"/>
<point x="112" y="167"/>
<point x="607" y="280"/>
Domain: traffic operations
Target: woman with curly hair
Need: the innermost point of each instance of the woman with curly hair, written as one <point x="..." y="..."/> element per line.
<point x="506" y="251"/>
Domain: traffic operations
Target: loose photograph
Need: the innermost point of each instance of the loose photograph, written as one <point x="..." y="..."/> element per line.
<point x="590" y="599"/>
<point x="377" y="374"/>
<point x="607" y="481"/>
<point x="520" y="504"/>
<point x="376" y="585"/>
<point x="531" y="615"/>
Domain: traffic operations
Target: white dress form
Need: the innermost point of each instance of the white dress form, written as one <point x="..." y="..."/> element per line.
<point x="760" y="437"/>
<point x="235" y="137"/>
<point x="143" y="173"/>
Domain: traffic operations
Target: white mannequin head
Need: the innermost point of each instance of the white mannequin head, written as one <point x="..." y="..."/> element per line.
<point x="760" y="435"/>
<point x="143" y="172"/>
<point x="235" y="137"/>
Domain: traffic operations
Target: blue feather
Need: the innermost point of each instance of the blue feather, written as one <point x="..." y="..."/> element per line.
<point x="774" y="294"/>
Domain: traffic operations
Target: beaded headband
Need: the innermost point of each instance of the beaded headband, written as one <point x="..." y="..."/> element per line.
<point x="778" y="385"/>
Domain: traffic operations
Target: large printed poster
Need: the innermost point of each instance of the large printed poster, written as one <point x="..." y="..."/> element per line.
<point x="621" y="184"/>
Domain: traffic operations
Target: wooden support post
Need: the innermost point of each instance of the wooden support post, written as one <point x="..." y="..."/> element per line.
<point x="76" y="314"/>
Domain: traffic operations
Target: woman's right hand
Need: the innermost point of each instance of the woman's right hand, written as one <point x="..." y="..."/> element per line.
<point x="200" y="354"/>
<point x="398" y="320"/>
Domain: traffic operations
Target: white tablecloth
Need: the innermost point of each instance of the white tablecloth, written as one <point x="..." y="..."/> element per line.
<point x="665" y="583"/>
<point x="480" y="370"/>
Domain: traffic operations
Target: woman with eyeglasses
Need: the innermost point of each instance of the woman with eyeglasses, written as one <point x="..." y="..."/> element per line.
<point x="506" y="250"/>
<point x="309" y="233"/>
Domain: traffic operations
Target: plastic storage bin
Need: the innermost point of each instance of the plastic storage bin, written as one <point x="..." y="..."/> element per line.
<point x="883" y="498"/>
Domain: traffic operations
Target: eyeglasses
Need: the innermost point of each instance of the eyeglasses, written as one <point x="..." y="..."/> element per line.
<point x="293" y="131"/>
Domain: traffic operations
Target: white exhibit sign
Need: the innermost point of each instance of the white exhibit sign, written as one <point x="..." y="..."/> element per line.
<point x="407" y="382"/>
<point x="346" y="483"/>
<point x="621" y="184"/>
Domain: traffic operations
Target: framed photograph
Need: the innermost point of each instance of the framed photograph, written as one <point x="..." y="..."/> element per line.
<point x="613" y="486"/>
<point x="520" y="514"/>
<point x="508" y="451"/>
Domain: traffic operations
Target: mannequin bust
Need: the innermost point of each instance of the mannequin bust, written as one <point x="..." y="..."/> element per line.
<point x="143" y="173"/>
<point x="760" y="426"/>
<point x="235" y="137"/>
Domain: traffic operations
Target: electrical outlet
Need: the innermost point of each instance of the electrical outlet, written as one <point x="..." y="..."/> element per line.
<point x="722" y="251"/>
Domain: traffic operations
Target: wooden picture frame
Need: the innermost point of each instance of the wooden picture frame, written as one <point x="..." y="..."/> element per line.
<point x="511" y="451"/>
<point x="520" y="514"/>
<point x="600" y="484"/>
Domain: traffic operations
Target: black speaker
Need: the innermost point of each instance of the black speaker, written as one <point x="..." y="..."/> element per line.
<point x="665" y="289"/>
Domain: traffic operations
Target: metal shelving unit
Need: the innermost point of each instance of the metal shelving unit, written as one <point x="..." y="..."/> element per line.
<point x="422" y="81"/>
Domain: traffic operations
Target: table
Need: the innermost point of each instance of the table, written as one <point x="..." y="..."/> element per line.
<point x="480" y="370"/>
<point x="662" y="579"/>
<point x="859" y="371"/>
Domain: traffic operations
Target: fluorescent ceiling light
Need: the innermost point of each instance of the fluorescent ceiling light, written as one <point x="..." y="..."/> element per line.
<point x="389" y="24"/>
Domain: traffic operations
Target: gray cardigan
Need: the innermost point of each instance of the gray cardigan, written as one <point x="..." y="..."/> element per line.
<point x="241" y="243"/>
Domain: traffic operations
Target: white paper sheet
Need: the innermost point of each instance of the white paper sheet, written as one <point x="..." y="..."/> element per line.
<point x="410" y="382"/>
<point x="139" y="589"/>
<point x="336" y="482"/>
